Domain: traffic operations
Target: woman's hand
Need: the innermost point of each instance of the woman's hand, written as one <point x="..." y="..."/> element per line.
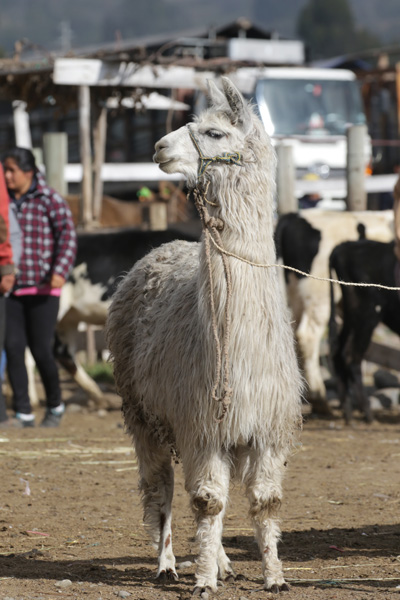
<point x="7" y="283"/>
<point x="57" y="281"/>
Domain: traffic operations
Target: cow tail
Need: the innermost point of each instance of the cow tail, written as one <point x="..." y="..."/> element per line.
<point x="361" y="230"/>
<point x="332" y="326"/>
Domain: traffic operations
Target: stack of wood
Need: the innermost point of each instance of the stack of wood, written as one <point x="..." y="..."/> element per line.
<point x="151" y="210"/>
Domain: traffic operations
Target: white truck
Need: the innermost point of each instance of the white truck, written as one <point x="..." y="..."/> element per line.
<point x="312" y="108"/>
<point x="309" y="109"/>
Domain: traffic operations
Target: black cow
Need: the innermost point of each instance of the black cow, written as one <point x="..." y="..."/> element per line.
<point x="305" y="241"/>
<point x="363" y="261"/>
<point x="102" y="258"/>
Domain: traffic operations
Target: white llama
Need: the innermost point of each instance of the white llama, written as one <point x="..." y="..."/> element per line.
<point x="189" y="323"/>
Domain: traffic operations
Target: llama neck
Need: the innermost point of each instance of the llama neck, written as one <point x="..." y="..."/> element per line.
<point x="230" y="291"/>
<point x="245" y="207"/>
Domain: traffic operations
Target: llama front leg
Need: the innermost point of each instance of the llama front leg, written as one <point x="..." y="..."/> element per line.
<point x="157" y="487"/>
<point x="264" y="491"/>
<point x="209" y="494"/>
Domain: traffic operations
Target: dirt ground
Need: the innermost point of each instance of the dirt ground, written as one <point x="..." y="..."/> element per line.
<point x="70" y="518"/>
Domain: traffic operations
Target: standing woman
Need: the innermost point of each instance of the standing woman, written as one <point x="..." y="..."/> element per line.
<point x="7" y="278"/>
<point x="49" y="250"/>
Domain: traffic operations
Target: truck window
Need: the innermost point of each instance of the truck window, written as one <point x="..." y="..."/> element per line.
<point x="309" y="107"/>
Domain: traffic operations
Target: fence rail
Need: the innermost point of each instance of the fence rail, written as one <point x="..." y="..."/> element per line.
<point x="136" y="172"/>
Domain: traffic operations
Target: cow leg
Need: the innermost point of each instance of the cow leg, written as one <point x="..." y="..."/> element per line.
<point x="353" y="344"/>
<point x="342" y="374"/>
<point x="64" y="351"/>
<point x="358" y="347"/>
<point x="263" y="483"/>
<point x="362" y="399"/>
<point x="207" y="481"/>
<point x="157" y="488"/>
<point x="309" y="335"/>
<point x="30" y="370"/>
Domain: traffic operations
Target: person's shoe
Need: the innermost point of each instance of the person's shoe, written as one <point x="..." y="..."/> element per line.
<point x="53" y="416"/>
<point x="22" y="420"/>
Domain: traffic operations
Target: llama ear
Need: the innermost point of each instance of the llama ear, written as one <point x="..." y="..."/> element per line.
<point x="215" y="95"/>
<point x="237" y="104"/>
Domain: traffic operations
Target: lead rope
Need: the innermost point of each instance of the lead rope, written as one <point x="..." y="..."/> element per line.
<point x="219" y="247"/>
<point x="211" y="227"/>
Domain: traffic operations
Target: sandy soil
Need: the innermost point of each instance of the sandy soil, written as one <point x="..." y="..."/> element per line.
<point x="70" y="518"/>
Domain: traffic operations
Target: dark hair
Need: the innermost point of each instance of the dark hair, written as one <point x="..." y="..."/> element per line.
<point x="23" y="158"/>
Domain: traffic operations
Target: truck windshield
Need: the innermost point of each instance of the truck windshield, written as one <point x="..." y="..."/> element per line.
<point x="309" y="107"/>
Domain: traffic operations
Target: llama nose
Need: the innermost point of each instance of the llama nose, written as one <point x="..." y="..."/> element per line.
<point x="160" y="145"/>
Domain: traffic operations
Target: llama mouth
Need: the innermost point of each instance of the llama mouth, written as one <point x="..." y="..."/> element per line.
<point x="161" y="160"/>
<point x="164" y="164"/>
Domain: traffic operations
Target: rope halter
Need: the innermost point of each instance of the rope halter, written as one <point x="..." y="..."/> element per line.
<point x="211" y="227"/>
<point x="233" y="158"/>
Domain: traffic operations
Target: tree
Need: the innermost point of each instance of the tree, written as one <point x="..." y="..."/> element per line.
<point x="329" y="29"/>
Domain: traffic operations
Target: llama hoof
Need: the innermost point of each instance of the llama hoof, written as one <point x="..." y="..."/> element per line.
<point x="276" y="589"/>
<point x="227" y="576"/>
<point x="230" y="577"/>
<point x="168" y="575"/>
<point x="202" y="592"/>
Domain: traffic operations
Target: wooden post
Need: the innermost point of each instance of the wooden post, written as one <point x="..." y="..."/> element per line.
<point x="22" y="130"/>
<point x="38" y="154"/>
<point x="398" y="95"/>
<point x="99" y="142"/>
<point x="55" y="155"/>
<point x="286" y="174"/>
<point x="158" y="216"/>
<point x="356" y="194"/>
<point x="91" y="350"/>
<point x="86" y="155"/>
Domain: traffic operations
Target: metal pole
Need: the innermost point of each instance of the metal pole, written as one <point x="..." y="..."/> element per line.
<point x="55" y="156"/>
<point x="287" y="201"/>
<point x="356" y="194"/>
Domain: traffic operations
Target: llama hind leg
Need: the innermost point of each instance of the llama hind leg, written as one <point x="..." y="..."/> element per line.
<point x="208" y="485"/>
<point x="225" y="569"/>
<point x="157" y="488"/>
<point x="264" y="491"/>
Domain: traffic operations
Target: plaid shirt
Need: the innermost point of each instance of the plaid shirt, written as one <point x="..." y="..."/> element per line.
<point x="49" y="237"/>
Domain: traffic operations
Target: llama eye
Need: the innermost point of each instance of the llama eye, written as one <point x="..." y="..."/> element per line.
<point x="216" y="135"/>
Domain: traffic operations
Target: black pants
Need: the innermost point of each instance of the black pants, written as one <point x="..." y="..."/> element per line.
<point x="3" y="412"/>
<point x="31" y="321"/>
<point x="397" y="276"/>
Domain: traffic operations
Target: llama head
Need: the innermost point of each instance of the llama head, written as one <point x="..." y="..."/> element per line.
<point x="220" y="141"/>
